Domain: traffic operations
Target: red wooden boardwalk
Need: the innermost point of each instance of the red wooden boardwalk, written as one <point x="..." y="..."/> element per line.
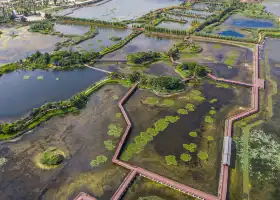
<point x="223" y="183"/>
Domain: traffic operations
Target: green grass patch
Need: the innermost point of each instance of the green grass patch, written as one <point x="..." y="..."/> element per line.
<point x="190" y="147"/>
<point x="40" y="77"/>
<point x="109" y="145"/>
<point x="190" y="107"/>
<point x="193" y="134"/>
<point x="99" y="160"/>
<point x="151" y="101"/>
<point x="182" y="111"/>
<point x="26" y="77"/>
<point x="202" y="155"/>
<point x="213" y="101"/>
<point x="171" y="160"/>
<point x="115" y="130"/>
<point x="118" y="115"/>
<point x="185" y="157"/>
<point x="168" y="102"/>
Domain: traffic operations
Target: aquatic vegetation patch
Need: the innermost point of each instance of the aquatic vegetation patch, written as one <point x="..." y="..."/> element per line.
<point x="140" y="141"/>
<point x="217" y="46"/>
<point x="171" y="160"/>
<point x="40" y="77"/>
<point x="182" y="111"/>
<point x="118" y="115"/>
<point x="193" y="134"/>
<point x="150" y="198"/>
<point x="151" y="101"/>
<point x="208" y="119"/>
<point x="185" y="157"/>
<point x="190" y="107"/>
<point x="212" y="112"/>
<point x="232" y="58"/>
<point x="202" y="155"/>
<point x="213" y="101"/>
<point x="109" y="145"/>
<point x="115" y="130"/>
<point x="99" y="160"/>
<point x="210" y="138"/>
<point x="115" y="38"/>
<point x="168" y="102"/>
<point x="196" y="95"/>
<point x="115" y="97"/>
<point x="190" y="147"/>
<point x="26" y="77"/>
<point x="3" y="161"/>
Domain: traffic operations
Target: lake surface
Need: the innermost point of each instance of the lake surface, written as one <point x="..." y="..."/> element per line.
<point x="231" y="33"/>
<point x="272" y="6"/>
<point x="70" y="29"/>
<point x="19" y="96"/>
<point x="102" y="40"/>
<point x="122" y="9"/>
<point x="174" y="25"/>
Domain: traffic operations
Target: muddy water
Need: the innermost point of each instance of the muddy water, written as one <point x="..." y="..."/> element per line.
<point x="198" y="174"/>
<point x="81" y="137"/>
<point x="16" y="44"/>
<point x="19" y="96"/>
<point x="217" y="57"/>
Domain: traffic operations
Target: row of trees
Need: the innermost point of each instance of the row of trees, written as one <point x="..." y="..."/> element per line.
<point x="75" y="20"/>
<point x="143" y="57"/>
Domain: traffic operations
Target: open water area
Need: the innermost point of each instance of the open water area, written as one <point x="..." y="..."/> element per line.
<point x="21" y="91"/>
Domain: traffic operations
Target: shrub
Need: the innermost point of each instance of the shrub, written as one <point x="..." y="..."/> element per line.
<point x="51" y="157"/>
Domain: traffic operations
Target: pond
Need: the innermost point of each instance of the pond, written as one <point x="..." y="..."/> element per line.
<point x="174" y="25"/>
<point x="246" y="22"/>
<point x="18" y="43"/>
<point x="102" y="40"/>
<point x="231" y="33"/>
<point x="19" y="96"/>
<point x="69" y="29"/>
<point x="122" y="9"/>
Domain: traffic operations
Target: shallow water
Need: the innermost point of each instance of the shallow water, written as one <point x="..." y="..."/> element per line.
<point x="19" y="96"/>
<point x="174" y="25"/>
<point x="81" y="137"/>
<point x="102" y="40"/>
<point x="122" y="9"/>
<point x="272" y="6"/>
<point x="24" y="44"/>
<point x="70" y="29"/>
<point x="231" y="33"/>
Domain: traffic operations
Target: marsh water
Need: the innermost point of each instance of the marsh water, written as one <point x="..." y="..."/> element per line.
<point x="18" y="43"/>
<point x="81" y="137"/>
<point x="121" y="9"/>
<point x="231" y="33"/>
<point x="272" y="6"/>
<point x="102" y="40"/>
<point x="200" y="175"/>
<point x="19" y="96"/>
<point x="69" y="29"/>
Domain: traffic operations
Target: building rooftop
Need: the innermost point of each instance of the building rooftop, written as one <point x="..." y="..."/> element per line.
<point x="84" y="196"/>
